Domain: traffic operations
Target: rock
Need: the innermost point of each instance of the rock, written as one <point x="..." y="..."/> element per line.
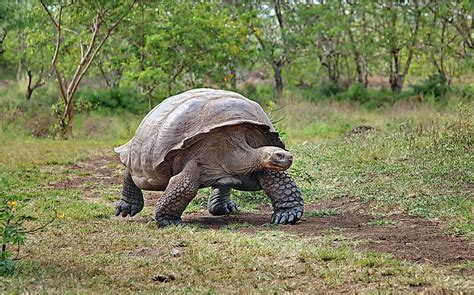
<point x="163" y="278"/>
<point x="175" y="252"/>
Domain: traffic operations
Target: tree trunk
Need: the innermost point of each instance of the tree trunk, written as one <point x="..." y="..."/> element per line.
<point x="150" y="101"/>
<point x="66" y="119"/>
<point x="22" y="46"/>
<point x="2" y="39"/>
<point x="278" y="79"/>
<point x="29" y="90"/>
<point x="333" y="72"/>
<point x="30" y="87"/>
<point x="396" y="79"/>
<point x="233" y="74"/>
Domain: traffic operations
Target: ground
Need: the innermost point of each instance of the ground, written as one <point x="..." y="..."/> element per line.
<point x="403" y="236"/>
<point x="387" y="209"/>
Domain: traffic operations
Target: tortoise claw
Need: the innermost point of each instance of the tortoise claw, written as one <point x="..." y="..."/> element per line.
<point x="287" y="216"/>
<point x="226" y="208"/>
<point x="164" y="221"/>
<point x="124" y="208"/>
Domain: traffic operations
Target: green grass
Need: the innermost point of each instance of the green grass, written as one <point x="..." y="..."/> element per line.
<point x="400" y="168"/>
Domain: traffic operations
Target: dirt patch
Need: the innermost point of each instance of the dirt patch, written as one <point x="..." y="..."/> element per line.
<point x="410" y="238"/>
<point x="97" y="169"/>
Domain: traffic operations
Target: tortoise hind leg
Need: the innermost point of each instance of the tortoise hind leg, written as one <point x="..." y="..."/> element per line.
<point x="132" y="198"/>
<point x="181" y="189"/>
<point x="220" y="203"/>
<point x="286" y="197"/>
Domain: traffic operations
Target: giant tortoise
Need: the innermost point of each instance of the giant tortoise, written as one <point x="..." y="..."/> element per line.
<point x="207" y="138"/>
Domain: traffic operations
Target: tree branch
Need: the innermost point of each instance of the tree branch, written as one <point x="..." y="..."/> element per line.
<point x="81" y="44"/>
<point x="413" y="39"/>
<point x="57" y="25"/>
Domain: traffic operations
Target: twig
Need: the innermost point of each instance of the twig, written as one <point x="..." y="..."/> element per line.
<point x="41" y="227"/>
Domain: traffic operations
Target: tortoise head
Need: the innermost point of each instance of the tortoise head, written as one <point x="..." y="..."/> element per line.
<point x="274" y="158"/>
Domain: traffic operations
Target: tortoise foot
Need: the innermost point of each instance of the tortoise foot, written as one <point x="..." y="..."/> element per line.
<point x="164" y="221"/>
<point x="125" y="208"/>
<point x="287" y="215"/>
<point x="224" y="208"/>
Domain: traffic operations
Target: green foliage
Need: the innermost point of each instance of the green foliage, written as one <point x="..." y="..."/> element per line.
<point x="329" y="89"/>
<point x="12" y="231"/>
<point x="265" y="95"/>
<point x="357" y="92"/>
<point x="435" y="85"/>
<point x="182" y="45"/>
<point x="114" y="99"/>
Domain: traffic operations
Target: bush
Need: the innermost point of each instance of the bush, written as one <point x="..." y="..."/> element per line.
<point x="263" y="94"/>
<point x="436" y="86"/>
<point x="357" y="92"/>
<point x="117" y="99"/>
<point x="330" y="88"/>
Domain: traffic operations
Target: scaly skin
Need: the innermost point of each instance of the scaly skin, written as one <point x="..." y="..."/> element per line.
<point x="286" y="197"/>
<point x="181" y="189"/>
<point x="132" y="198"/>
<point x="220" y="203"/>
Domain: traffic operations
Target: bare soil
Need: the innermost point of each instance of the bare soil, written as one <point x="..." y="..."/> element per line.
<point x="410" y="238"/>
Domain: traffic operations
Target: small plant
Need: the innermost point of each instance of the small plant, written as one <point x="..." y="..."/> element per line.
<point x="12" y="229"/>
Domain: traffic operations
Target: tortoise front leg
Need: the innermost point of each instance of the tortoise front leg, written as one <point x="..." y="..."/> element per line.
<point x="286" y="197"/>
<point x="181" y="189"/>
<point x="132" y="198"/>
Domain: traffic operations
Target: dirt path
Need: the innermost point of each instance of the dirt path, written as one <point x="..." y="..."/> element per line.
<point x="410" y="238"/>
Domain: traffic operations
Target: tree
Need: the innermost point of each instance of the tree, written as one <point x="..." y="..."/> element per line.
<point x="445" y="40"/>
<point x="184" y="45"/>
<point x="323" y="35"/>
<point x="270" y="26"/>
<point x="398" y="26"/>
<point x="360" y="41"/>
<point x="29" y="46"/>
<point x="7" y="21"/>
<point x="93" y="22"/>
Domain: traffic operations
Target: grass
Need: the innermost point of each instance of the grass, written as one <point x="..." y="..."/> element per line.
<point x="323" y="212"/>
<point x="400" y="168"/>
<point x="422" y="169"/>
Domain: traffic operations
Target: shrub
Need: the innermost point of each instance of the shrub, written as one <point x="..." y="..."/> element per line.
<point x="263" y="94"/>
<point x="117" y="99"/>
<point x="436" y="86"/>
<point x="330" y="88"/>
<point x="12" y="225"/>
<point x="357" y="92"/>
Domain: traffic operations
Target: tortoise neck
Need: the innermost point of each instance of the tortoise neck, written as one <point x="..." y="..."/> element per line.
<point x="246" y="159"/>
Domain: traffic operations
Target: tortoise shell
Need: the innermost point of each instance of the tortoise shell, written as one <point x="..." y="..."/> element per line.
<point x="185" y="119"/>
